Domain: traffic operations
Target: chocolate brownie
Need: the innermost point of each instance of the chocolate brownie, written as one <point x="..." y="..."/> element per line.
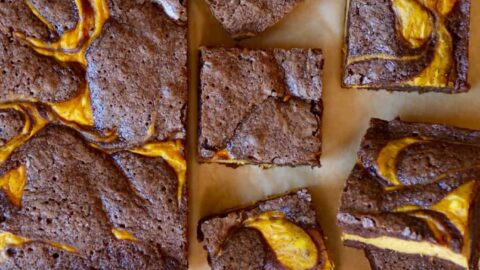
<point x="407" y="45"/>
<point x="276" y="233"/>
<point x="250" y="17"/>
<point x="413" y="195"/>
<point x="81" y="209"/>
<point x="137" y="75"/>
<point x="65" y="204"/>
<point x="25" y="75"/>
<point x="260" y="106"/>
<point x="11" y="124"/>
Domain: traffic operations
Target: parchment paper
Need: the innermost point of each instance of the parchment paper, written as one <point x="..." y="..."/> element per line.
<point x="314" y="23"/>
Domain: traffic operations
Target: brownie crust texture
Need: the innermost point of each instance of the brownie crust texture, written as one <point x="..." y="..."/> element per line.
<point x="261" y="106"/>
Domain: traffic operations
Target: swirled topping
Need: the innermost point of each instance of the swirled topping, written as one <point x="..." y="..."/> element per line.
<point x="422" y="54"/>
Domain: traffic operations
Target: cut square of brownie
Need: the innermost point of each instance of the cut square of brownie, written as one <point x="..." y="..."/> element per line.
<point x="260" y="106"/>
<point x="407" y="45"/>
<point x="278" y="233"/>
<point x="244" y="19"/>
<point x="414" y="196"/>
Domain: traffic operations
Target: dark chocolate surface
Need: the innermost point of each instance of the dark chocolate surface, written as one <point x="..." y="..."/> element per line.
<point x="75" y="195"/>
<point x="246" y="18"/>
<point x="378" y="19"/>
<point x="232" y="246"/>
<point x="441" y="160"/>
<point x="243" y="106"/>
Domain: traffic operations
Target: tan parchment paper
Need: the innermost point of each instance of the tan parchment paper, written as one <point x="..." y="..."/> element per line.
<point x="314" y="23"/>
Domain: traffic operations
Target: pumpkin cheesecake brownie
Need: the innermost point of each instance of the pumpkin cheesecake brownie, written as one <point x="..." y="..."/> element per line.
<point x="412" y="199"/>
<point x="278" y="233"/>
<point x="407" y="45"/>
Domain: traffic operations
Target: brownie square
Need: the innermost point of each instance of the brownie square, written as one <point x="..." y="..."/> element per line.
<point x="278" y="233"/>
<point x="108" y="193"/>
<point x="260" y="106"/>
<point x="244" y="19"/>
<point x="407" y="45"/>
<point x="414" y="195"/>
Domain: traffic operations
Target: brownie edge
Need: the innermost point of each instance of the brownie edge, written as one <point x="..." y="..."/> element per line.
<point x="260" y="107"/>
<point x="232" y="243"/>
<point x="244" y="19"/>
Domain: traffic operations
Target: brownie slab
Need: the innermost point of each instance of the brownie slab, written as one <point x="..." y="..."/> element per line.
<point x="413" y="195"/>
<point x="16" y="16"/>
<point x="247" y="18"/>
<point x="81" y="209"/>
<point x="260" y="106"/>
<point x="277" y="233"/>
<point x="411" y="45"/>
<point x="11" y="124"/>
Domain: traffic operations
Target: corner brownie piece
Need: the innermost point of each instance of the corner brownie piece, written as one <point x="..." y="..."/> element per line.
<point x="407" y="45"/>
<point x="414" y="196"/>
<point x="278" y="233"/>
<point x="80" y="208"/>
<point x="260" y="106"/>
<point x="247" y="18"/>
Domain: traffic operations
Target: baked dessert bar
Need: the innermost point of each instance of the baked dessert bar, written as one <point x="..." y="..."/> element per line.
<point x="277" y="233"/>
<point x="244" y="19"/>
<point x="413" y="196"/>
<point x="92" y="109"/>
<point x="407" y="45"/>
<point x="260" y="106"/>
